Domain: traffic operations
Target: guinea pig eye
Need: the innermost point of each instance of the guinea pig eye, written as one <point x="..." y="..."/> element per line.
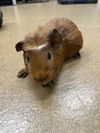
<point x="28" y="59"/>
<point x="49" y="56"/>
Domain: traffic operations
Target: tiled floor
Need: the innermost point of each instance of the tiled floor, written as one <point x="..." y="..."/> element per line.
<point x="73" y="106"/>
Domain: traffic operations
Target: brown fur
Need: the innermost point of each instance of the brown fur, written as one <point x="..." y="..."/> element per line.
<point x="62" y="43"/>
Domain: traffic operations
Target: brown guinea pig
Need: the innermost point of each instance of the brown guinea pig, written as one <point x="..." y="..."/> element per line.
<point x="46" y="49"/>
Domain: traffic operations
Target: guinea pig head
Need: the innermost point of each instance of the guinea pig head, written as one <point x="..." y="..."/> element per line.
<point x="43" y="61"/>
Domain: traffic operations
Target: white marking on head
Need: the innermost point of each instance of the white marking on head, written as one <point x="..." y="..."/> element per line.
<point x="37" y="47"/>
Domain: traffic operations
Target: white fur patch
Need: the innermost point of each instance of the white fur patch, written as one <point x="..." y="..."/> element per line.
<point x="37" y="47"/>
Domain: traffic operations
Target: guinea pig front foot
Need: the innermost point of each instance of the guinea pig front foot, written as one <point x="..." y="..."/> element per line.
<point x="77" y="55"/>
<point x="22" y="73"/>
<point x="49" y="84"/>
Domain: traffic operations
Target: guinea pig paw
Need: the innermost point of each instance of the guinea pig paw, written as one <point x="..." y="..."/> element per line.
<point x="77" y="55"/>
<point x="49" y="84"/>
<point x="22" y="73"/>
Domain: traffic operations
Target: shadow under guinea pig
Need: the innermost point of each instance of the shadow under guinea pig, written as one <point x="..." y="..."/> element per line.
<point x="40" y="92"/>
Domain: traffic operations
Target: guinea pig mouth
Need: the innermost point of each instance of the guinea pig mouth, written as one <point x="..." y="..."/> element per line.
<point x="41" y="79"/>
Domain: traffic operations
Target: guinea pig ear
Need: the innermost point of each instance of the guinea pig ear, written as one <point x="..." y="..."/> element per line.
<point x="55" y="38"/>
<point x="19" y="46"/>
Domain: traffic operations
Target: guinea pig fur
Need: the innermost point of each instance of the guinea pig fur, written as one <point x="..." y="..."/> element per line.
<point x="47" y="48"/>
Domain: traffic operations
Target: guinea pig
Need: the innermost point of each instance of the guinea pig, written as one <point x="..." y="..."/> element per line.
<point x="47" y="48"/>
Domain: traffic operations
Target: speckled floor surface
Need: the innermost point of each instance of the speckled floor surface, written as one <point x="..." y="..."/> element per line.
<point x="73" y="106"/>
